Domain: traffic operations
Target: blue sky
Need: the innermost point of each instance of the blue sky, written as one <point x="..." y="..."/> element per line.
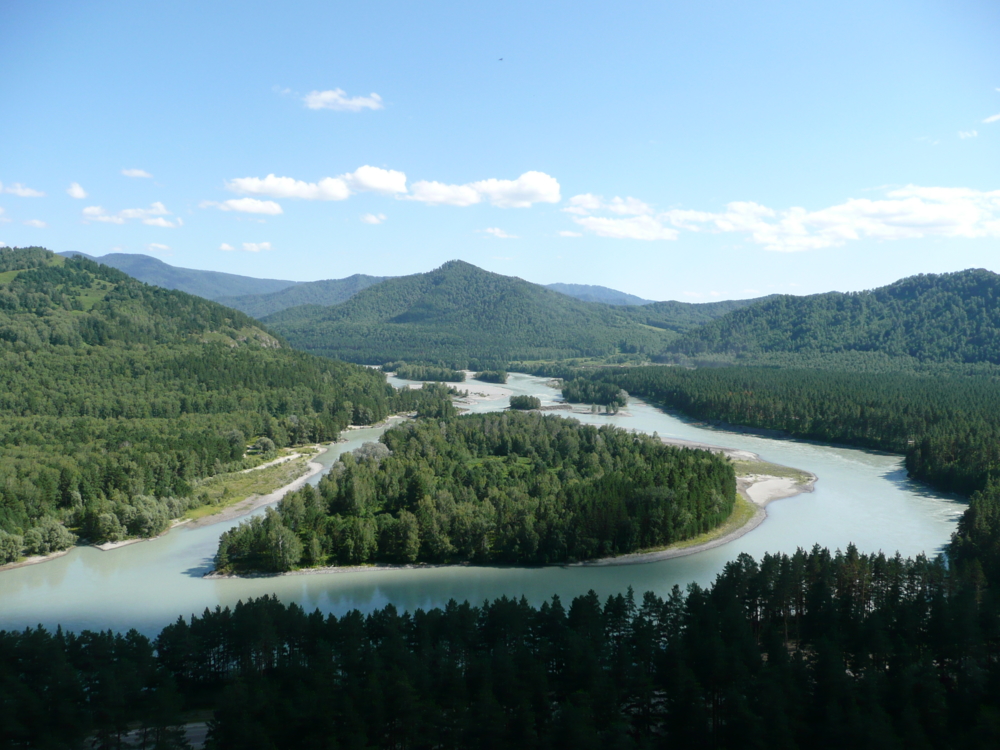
<point x="687" y="151"/>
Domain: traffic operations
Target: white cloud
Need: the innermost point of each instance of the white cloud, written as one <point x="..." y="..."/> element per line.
<point x="529" y="188"/>
<point x="378" y="180"/>
<point x="365" y="178"/>
<point x="159" y="221"/>
<point x="567" y="233"/>
<point x="992" y="118"/>
<point x="327" y="189"/>
<point x="249" y="247"/>
<point x="498" y="232"/>
<point x="153" y="216"/>
<point x="910" y="212"/>
<point x="633" y="228"/>
<point x="245" y="205"/>
<point x="337" y="99"/>
<point x="967" y="133"/>
<point x="136" y="173"/>
<point x="583" y="204"/>
<point x="437" y="193"/>
<point x="373" y="218"/>
<point x="22" y="190"/>
<point x="156" y="247"/>
<point x="35" y="223"/>
<point x="75" y="191"/>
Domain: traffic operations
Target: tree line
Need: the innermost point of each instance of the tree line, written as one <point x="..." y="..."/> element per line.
<point x="810" y="650"/>
<point x="506" y="487"/>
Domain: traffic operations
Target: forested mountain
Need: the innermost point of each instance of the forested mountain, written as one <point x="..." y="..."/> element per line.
<point x="464" y="317"/>
<point x="592" y="293"/>
<point x="116" y="396"/>
<point x="952" y="317"/>
<point x="207" y="284"/>
<point x="328" y="292"/>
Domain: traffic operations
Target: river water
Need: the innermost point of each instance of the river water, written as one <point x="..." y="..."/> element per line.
<point x="861" y="497"/>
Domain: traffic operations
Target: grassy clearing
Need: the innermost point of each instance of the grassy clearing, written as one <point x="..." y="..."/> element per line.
<point x="748" y="468"/>
<point x="221" y="491"/>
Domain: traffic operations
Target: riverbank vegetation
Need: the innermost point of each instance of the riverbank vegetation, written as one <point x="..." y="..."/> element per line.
<point x="116" y="398"/>
<point x="424" y="372"/>
<point x="525" y="403"/>
<point x="509" y="487"/>
<point x="946" y="427"/>
<point x="492" y="376"/>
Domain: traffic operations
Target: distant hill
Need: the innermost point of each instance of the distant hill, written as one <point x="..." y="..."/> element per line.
<point x="591" y="293"/>
<point x="463" y="316"/>
<point x="207" y="284"/>
<point x="953" y="317"/>
<point x="681" y="317"/>
<point x="326" y="293"/>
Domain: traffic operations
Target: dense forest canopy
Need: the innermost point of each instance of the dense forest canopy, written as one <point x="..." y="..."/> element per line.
<point x="116" y="396"/>
<point x="437" y="373"/>
<point x="502" y="487"/>
<point x="814" y="650"/>
<point x="953" y="317"/>
<point x="465" y="317"/>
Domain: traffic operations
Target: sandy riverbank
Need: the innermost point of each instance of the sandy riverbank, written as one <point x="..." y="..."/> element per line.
<point x="756" y="488"/>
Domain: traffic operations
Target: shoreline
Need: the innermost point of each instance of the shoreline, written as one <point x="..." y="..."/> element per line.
<point x="757" y="489"/>
<point x="230" y="512"/>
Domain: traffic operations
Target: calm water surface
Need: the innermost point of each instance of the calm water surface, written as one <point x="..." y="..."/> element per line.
<point x="861" y="497"/>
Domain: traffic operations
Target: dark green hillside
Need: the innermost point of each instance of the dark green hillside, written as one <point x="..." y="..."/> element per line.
<point x="328" y="292"/>
<point x="463" y="316"/>
<point x="951" y="318"/>
<point x="207" y="284"/>
<point x="592" y="293"/>
<point x="681" y="317"/>
<point x="116" y="396"/>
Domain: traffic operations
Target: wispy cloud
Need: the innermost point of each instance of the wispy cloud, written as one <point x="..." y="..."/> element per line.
<point x="22" y="191"/>
<point x="247" y="247"/>
<point x="584" y="204"/>
<point x="992" y="118"/>
<point x="38" y="223"/>
<point x="567" y="233"/>
<point x="245" y="205"/>
<point x="529" y="188"/>
<point x="154" y="216"/>
<point x="337" y="99"/>
<point x="967" y="133"/>
<point x="156" y="247"/>
<point x="909" y="212"/>
<point x="499" y="233"/>
<point x="137" y="173"/>
<point x="75" y="191"/>
<point x="3" y="219"/>
<point x="373" y="218"/>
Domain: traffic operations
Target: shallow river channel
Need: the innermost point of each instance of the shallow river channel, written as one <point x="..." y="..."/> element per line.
<point x="861" y="497"/>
